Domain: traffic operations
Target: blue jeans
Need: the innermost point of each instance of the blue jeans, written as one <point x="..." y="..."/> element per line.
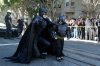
<point x="68" y="34"/>
<point x="75" y="33"/>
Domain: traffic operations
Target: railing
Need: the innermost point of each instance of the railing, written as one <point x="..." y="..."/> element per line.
<point x="93" y="31"/>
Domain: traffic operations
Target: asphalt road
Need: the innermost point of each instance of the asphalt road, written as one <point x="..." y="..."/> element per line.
<point x="8" y="47"/>
<point x="86" y="45"/>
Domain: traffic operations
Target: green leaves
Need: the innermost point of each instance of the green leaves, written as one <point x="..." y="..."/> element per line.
<point x="11" y="3"/>
<point x="32" y="11"/>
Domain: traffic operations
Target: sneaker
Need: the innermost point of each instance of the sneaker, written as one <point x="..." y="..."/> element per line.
<point x="58" y="59"/>
<point x="62" y="57"/>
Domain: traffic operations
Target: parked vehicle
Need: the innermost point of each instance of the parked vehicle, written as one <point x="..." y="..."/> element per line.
<point x="3" y="30"/>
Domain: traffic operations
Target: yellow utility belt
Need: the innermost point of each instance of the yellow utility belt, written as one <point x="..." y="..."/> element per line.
<point x="59" y="37"/>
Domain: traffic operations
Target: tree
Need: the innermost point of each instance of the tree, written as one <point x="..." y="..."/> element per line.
<point x="32" y="6"/>
<point x="91" y="6"/>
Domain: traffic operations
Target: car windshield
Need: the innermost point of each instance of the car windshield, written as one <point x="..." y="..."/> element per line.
<point x="3" y="26"/>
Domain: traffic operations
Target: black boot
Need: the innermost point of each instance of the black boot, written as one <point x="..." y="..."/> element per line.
<point x="43" y="56"/>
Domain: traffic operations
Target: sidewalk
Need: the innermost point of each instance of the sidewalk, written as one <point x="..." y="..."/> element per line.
<point x="74" y="39"/>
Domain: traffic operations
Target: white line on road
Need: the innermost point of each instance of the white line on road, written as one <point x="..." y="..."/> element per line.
<point x="9" y="44"/>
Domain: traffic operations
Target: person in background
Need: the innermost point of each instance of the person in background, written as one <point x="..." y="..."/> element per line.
<point x="68" y="29"/>
<point x="72" y="27"/>
<point x="21" y="24"/>
<point x="26" y="23"/>
<point x="93" y="28"/>
<point x="8" y="21"/>
<point x="82" y="24"/>
<point x="79" y="28"/>
<point x="98" y="26"/>
<point x="88" y="28"/>
<point x="75" y="29"/>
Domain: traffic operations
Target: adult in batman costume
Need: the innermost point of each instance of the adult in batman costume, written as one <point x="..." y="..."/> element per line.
<point x="35" y="40"/>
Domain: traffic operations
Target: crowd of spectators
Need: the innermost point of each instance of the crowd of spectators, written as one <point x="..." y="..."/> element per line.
<point x="80" y="28"/>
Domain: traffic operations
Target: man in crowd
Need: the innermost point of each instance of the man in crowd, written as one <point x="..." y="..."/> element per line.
<point x="98" y="25"/>
<point x="88" y="28"/>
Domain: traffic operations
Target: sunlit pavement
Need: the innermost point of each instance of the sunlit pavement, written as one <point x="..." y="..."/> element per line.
<point x="8" y="47"/>
<point x="74" y="39"/>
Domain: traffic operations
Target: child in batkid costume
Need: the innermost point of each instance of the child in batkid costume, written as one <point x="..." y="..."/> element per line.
<point x="60" y="32"/>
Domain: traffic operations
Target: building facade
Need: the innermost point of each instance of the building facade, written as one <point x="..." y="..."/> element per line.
<point x="73" y="9"/>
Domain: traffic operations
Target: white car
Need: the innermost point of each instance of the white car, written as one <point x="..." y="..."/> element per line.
<point x="3" y="30"/>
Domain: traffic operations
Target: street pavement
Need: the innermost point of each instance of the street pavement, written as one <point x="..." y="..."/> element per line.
<point x="77" y="53"/>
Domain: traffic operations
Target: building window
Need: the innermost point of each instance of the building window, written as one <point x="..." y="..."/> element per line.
<point x="67" y="2"/>
<point x="72" y="3"/>
<point x="97" y="0"/>
<point x="91" y="1"/>
<point x="87" y="1"/>
<point x="59" y="6"/>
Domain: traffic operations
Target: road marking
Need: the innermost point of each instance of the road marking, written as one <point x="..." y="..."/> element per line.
<point x="9" y="44"/>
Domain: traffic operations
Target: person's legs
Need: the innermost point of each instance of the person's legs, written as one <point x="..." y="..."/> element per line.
<point x="58" y="50"/>
<point x="9" y="32"/>
<point x="6" y="34"/>
<point x="93" y="34"/>
<point x="68" y="33"/>
<point x="62" y="46"/>
<point x="98" y="35"/>
<point x="43" y="46"/>
<point x="74" y="33"/>
<point x="21" y="30"/>
<point x="78" y="30"/>
<point x="87" y="34"/>
<point x="90" y="34"/>
<point x="83" y="34"/>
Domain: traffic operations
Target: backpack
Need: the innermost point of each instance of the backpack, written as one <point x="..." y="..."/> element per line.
<point x="62" y="30"/>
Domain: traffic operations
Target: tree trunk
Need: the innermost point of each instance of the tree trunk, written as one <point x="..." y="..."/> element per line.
<point x="52" y="16"/>
<point x="88" y="14"/>
<point x="91" y="15"/>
